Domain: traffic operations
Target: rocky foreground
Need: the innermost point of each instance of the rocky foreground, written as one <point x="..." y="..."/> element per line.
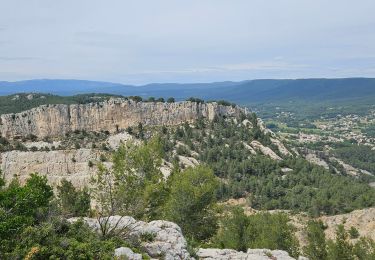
<point x="164" y="240"/>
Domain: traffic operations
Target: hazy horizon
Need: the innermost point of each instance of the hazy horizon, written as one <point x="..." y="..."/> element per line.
<point x="182" y="83"/>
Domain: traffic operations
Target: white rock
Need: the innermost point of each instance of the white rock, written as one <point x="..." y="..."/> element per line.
<point x="247" y="123"/>
<point x="168" y="239"/>
<point x="114" y="141"/>
<point x="188" y="161"/>
<point x="248" y="147"/>
<point x="127" y="253"/>
<point x="313" y="158"/>
<point x="251" y="254"/>
<point x="281" y="147"/>
<point x="112" y="115"/>
<point x="265" y="150"/>
<point x="72" y="165"/>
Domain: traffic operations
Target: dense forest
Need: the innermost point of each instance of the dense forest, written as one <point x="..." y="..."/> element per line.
<point x="360" y="156"/>
<point x="305" y="187"/>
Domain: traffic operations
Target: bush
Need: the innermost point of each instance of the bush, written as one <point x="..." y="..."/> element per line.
<point x="262" y="230"/>
<point x="316" y="248"/>
<point x="71" y="201"/>
<point x="341" y="247"/>
<point x="20" y="207"/>
<point x="90" y="164"/>
<point x="353" y="233"/>
<point x="191" y="202"/>
<point x="102" y="158"/>
<point x="61" y="240"/>
<point x="3" y="141"/>
<point x="136" y="98"/>
<point x="197" y="100"/>
<point x="34" y="149"/>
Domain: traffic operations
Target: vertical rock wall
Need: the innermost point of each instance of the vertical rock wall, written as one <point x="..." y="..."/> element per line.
<point x="57" y="120"/>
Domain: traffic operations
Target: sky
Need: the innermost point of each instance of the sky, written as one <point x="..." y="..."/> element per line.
<point x="139" y="41"/>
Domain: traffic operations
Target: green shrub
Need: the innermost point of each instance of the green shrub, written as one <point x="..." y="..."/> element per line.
<point x="191" y="202"/>
<point x="262" y="230"/>
<point x="73" y="202"/>
<point x="353" y="233"/>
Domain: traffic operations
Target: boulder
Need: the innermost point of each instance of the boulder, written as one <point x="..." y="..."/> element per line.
<point x="127" y="253"/>
<point x="159" y="239"/>
<point x="251" y="254"/>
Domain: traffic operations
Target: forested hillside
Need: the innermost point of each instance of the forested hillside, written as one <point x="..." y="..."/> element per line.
<point x="243" y="92"/>
<point x="188" y="174"/>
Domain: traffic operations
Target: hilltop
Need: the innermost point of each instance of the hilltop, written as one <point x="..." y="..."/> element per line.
<point x="243" y="92"/>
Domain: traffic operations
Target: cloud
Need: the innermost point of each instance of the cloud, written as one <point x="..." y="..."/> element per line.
<point x="248" y="66"/>
<point x="263" y="65"/>
<point x="17" y="58"/>
<point x="167" y="40"/>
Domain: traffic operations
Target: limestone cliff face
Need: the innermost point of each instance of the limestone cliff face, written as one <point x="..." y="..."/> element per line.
<point x="56" y="165"/>
<point x="112" y="115"/>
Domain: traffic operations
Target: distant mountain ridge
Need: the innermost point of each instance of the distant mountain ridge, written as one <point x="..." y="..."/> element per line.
<point x="243" y="92"/>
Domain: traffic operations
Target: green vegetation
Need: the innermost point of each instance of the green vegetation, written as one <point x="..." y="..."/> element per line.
<point x="58" y="239"/>
<point x="33" y="221"/>
<point x="20" y="102"/>
<point x="340" y="248"/>
<point x="316" y="248"/>
<point x="305" y="111"/>
<point x="32" y="224"/>
<point x="194" y="99"/>
<point x="308" y="187"/>
<point x="171" y="100"/>
<point x="71" y="201"/>
<point x="134" y="185"/>
<point x="369" y="130"/>
<point x="22" y="206"/>
<point x="191" y="202"/>
<point x="262" y="230"/>
<point x="359" y="156"/>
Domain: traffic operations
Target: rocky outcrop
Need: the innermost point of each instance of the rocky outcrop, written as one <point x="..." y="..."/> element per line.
<point x="363" y="220"/>
<point x="164" y="239"/>
<point x="127" y="253"/>
<point x="248" y="147"/>
<point x="265" y="150"/>
<point x="280" y="146"/>
<point x="263" y="128"/>
<point x="115" y="141"/>
<point x="313" y="158"/>
<point x="72" y="165"/>
<point x="349" y="168"/>
<point x="251" y="254"/>
<point x="111" y="115"/>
